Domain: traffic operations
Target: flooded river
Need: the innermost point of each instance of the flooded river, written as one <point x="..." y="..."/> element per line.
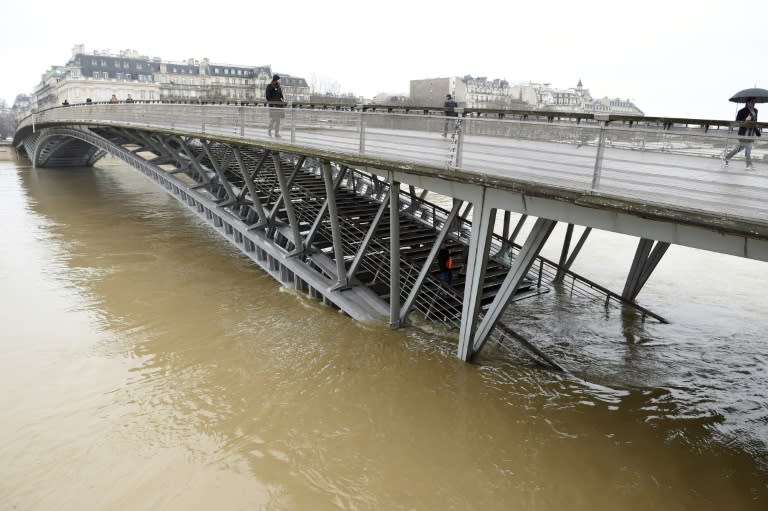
<point x="146" y="364"/>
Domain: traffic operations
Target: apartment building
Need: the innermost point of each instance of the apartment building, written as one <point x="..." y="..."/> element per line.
<point x="98" y="75"/>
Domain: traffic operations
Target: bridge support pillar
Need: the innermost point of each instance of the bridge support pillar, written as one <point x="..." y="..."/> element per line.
<point x="394" y="253"/>
<point x="479" y="245"/>
<point x="565" y="264"/>
<point x="647" y="257"/>
<point x="298" y="246"/>
<point x="517" y="272"/>
<point x="251" y="186"/>
<point x="338" y="247"/>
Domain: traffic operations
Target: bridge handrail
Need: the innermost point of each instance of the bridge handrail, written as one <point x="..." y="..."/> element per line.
<point x="563" y="157"/>
<point x="686" y="126"/>
<point x="550" y="115"/>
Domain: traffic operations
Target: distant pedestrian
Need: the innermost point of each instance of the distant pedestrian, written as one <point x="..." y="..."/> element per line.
<point x="113" y="99"/>
<point x="129" y="99"/>
<point x="746" y="114"/>
<point x="88" y="101"/>
<point x="65" y="103"/>
<point x="445" y="263"/>
<point x="450" y="111"/>
<point x="276" y="101"/>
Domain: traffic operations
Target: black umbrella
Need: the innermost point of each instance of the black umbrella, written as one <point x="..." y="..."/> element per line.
<point x="760" y="95"/>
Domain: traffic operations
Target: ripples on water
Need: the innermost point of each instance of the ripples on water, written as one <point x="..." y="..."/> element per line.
<point x="147" y="364"/>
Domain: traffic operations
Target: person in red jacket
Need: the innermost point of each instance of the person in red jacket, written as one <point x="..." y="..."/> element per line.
<point x="445" y="263"/>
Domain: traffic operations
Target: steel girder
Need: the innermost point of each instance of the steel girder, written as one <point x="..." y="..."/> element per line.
<point x="300" y="218"/>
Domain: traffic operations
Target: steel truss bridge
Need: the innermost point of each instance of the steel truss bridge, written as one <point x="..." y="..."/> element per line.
<point x="344" y="207"/>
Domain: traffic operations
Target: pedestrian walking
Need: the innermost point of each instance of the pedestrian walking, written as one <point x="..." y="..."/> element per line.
<point x="276" y="101"/>
<point x="450" y="111"/>
<point x="746" y="114"/>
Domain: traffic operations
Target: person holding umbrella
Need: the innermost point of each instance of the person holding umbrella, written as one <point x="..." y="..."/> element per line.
<point x="746" y="114"/>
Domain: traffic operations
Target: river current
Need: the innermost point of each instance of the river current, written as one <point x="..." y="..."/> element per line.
<point x="146" y="364"/>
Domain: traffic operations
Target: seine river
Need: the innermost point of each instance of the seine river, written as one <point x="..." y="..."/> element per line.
<point x="146" y="364"/>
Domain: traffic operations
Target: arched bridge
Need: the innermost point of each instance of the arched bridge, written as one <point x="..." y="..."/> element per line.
<point x="345" y="206"/>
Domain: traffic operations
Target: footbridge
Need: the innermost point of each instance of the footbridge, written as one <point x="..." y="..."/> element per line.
<point x="352" y="204"/>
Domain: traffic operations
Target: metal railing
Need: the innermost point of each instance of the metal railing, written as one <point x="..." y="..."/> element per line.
<point x="654" y="159"/>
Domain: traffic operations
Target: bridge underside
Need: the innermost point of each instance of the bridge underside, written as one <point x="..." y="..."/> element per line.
<point x="64" y="151"/>
<point x="330" y="230"/>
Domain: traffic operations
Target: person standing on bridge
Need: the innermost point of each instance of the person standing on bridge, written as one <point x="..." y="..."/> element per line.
<point x="450" y="111"/>
<point x="276" y="101"/>
<point x="746" y="114"/>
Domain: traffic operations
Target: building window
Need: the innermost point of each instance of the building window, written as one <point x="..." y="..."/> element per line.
<point x="94" y="62"/>
<point x="126" y="65"/>
<point x="103" y="63"/>
<point x="139" y="66"/>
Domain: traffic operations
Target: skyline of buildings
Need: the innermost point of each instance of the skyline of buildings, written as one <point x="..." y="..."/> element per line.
<point x="99" y="74"/>
<point x="480" y="92"/>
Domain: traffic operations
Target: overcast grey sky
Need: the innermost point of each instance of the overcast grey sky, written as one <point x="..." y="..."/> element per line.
<point x="672" y="57"/>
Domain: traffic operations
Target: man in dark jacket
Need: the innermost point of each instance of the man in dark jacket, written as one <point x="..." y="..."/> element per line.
<point x="746" y="114"/>
<point x="276" y="101"/>
<point x="449" y="106"/>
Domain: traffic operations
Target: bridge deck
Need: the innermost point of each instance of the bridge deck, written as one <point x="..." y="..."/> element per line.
<point x="694" y="183"/>
<point x="674" y="172"/>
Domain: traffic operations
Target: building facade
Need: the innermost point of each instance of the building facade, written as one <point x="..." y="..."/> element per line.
<point x="577" y="99"/>
<point x="99" y="75"/>
<point x="481" y="92"/>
